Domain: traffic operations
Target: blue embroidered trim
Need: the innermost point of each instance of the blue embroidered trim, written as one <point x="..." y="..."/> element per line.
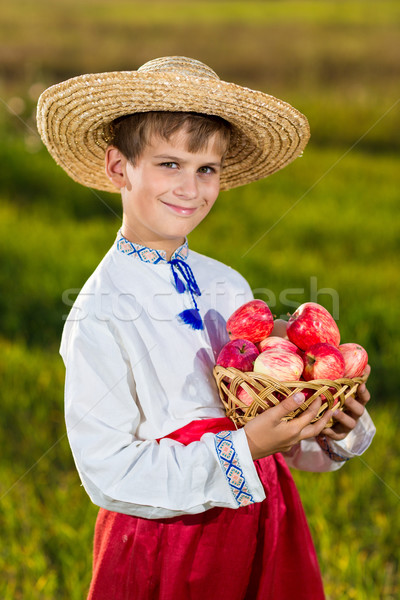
<point x="324" y="444"/>
<point x="230" y="465"/>
<point x="182" y="274"/>
<point x="149" y="254"/>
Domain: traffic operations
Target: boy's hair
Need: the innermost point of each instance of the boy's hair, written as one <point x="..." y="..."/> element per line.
<point x="131" y="133"/>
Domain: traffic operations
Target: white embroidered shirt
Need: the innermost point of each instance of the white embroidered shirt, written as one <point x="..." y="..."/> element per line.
<point x="135" y="372"/>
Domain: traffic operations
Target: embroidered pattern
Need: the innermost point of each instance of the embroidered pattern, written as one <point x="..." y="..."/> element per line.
<point x="149" y="254"/>
<point x="324" y="444"/>
<point x="233" y="472"/>
<point x="182" y="274"/>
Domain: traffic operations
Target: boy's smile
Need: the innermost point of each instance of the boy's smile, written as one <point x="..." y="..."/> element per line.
<point x="167" y="192"/>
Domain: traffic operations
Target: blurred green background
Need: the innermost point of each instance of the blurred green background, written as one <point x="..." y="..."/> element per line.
<point x="326" y="229"/>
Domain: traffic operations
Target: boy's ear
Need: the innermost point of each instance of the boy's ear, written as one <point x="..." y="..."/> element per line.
<point x="115" y="166"/>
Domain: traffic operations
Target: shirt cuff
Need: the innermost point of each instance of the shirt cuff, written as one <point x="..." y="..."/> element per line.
<point x="238" y="467"/>
<point x="354" y="444"/>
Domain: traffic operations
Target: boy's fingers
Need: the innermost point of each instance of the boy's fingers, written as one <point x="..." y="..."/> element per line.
<point x="288" y="405"/>
<point x="353" y="406"/>
<point x="310" y="413"/>
<point x="309" y="429"/>
<point x="313" y="429"/>
<point x="334" y="435"/>
<point x="363" y="396"/>
<point x="291" y="403"/>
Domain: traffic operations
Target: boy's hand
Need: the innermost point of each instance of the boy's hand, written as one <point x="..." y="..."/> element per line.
<point x="267" y="433"/>
<point x="347" y="419"/>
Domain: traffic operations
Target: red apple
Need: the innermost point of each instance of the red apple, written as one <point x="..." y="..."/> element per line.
<point x="355" y="359"/>
<point x="311" y="324"/>
<point x="252" y="321"/>
<point x="244" y="396"/>
<point x="283" y="365"/>
<point x="238" y="353"/>
<point x="273" y="342"/>
<point x="248" y="399"/>
<point x="323" y="361"/>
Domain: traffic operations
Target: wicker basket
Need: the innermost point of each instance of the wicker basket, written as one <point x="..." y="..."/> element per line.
<point x="267" y="392"/>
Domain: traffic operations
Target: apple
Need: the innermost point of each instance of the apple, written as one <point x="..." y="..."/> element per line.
<point x="238" y="353"/>
<point x="283" y="365"/>
<point x="273" y="342"/>
<point x="311" y="324"/>
<point x="355" y="359"/>
<point x="323" y="361"/>
<point x="248" y="399"/>
<point x="279" y="328"/>
<point x="252" y="321"/>
<point x="244" y="396"/>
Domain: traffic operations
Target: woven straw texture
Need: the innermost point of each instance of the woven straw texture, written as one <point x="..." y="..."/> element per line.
<point x="73" y="118"/>
<point x="267" y="392"/>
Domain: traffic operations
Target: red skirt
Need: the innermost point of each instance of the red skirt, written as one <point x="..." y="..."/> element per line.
<point x="263" y="551"/>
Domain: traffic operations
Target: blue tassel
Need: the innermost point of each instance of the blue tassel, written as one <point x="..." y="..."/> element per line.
<point x="192" y="317"/>
<point x="179" y="284"/>
<point x="180" y="269"/>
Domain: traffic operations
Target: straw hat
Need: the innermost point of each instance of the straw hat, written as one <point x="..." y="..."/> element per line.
<point x="74" y="116"/>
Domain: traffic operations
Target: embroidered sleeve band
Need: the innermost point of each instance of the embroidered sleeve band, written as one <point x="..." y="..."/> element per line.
<point x="233" y="472"/>
<point x="324" y="444"/>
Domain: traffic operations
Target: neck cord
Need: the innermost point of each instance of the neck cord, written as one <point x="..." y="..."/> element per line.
<point x="185" y="280"/>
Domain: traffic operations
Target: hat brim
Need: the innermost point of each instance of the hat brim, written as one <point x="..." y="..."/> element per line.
<point x="73" y="117"/>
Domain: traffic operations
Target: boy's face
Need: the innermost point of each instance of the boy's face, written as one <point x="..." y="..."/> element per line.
<point x="168" y="191"/>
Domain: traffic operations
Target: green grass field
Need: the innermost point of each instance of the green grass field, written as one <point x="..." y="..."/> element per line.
<point x="324" y="229"/>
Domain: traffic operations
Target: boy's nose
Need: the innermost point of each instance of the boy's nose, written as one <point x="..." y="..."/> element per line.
<point x="187" y="186"/>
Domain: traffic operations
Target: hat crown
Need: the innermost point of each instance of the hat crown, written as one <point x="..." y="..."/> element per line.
<point x="181" y="65"/>
<point x="74" y="116"/>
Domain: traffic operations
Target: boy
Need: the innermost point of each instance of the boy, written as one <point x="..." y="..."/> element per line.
<point x="177" y="486"/>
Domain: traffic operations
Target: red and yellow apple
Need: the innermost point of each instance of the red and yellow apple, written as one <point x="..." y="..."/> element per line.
<point x="244" y="396"/>
<point x="355" y="359"/>
<point x="239" y="353"/>
<point x="274" y="342"/>
<point x="323" y="361"/>
<point x="279" y="364"/>
<point x="253" y="321"/>
<point x="311" y="324"/>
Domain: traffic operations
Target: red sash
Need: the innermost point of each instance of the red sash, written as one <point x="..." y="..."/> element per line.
<point x="193" y="431"/>
<point x="262" y="551"/>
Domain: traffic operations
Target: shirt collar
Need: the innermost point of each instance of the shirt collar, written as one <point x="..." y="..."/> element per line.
<point x="146" y="254"/>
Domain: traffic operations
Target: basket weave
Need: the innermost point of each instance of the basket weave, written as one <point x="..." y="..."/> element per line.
<point x="267" y="392"/>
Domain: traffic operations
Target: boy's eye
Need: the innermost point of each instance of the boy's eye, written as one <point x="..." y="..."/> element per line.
<point x="206" y="170"/>
<point x="169" y="165"/>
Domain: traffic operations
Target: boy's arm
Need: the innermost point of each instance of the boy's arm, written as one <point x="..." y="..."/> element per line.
<point x="120" y="472"/>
